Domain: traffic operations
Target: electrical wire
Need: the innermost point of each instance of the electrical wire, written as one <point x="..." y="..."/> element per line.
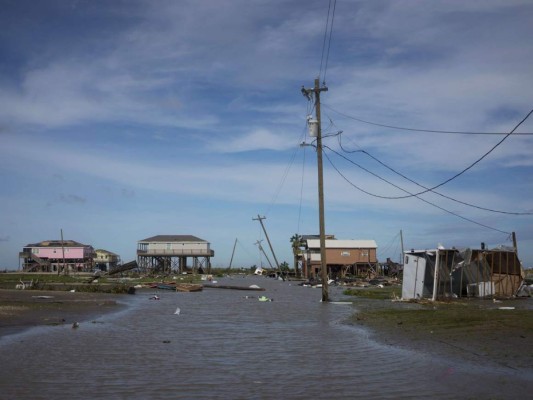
<point x="427" y="189"/>
<point x="301" y="193"/>
<point x="329" y="43"/>
<point x="418" y="130"/>
<point x="324" y="42"/>
<point x="285" y="173"/>
<point x="406" y="191"/>
<point x="330" y="26"/>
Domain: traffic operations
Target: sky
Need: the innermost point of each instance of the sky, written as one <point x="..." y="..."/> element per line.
<point x="122" y="120"/>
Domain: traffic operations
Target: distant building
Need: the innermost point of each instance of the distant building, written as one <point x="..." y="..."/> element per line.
<point x="106" y="260"/>
<point x="343" y="257"/>
<point x="451" y="273"/>
<point x="57" y="256"/>
<point x="169" y="253"/>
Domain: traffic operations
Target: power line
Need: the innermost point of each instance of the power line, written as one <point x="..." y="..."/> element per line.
<point x="301" y="192"/>
<point x="330" y="25"/>
<point x="329" y="43"/>
<point x="428" y="189"/>
<point x="419" y="130"/>
<point x="406" y="191"/>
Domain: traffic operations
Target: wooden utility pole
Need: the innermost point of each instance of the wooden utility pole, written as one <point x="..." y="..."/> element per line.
<point x="232" y="254"/>
<point x="401" y="242"/>
<point x="258" y="243"/>
<point x="260" y="219"/>
<point x="63" y="251"/>
<point x="324" y="271"/>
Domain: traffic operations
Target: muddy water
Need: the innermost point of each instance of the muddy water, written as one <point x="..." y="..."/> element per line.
<point x="223" y="345"/>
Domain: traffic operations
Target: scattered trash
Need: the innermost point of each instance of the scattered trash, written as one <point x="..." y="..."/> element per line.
<point x="154" y="297"/>
<point x="341" y="302"/>
<point x="264" y="298"/>
<point x="73" y="290"/>
<point x="43" y="297"/>
<point x="177" y="312"/>
<point x="506" y="308"/>
<point x="254" y="287"/>
<point x="75" y="325"/>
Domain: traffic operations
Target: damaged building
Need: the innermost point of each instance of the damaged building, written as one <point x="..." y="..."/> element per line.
<point x="451" y="273"/>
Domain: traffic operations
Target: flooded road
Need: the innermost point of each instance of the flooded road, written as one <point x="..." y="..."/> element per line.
<point x="225" y="344"/>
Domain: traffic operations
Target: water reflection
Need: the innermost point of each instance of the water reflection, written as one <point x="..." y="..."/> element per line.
<point x="226" y="344"/>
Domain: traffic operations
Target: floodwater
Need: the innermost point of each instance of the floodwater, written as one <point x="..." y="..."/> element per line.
<point x="225" y="344"/>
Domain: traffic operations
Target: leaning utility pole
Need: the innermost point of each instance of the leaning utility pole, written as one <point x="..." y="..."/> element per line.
<point x="258" y="243"/>
<point x="324" y="272"/>
<point x="260" y="219"/>
<point x="232" y="254"/>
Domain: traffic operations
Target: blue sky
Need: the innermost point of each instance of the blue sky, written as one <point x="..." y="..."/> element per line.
<point x="120" y="120"/>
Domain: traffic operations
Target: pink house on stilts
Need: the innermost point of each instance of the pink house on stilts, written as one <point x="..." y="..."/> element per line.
<point x="57" y="256"/>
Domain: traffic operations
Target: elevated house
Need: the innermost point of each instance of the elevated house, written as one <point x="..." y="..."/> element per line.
<point x="343" y="257"/>
<point x="451" y="273"/>
<point x="57" y="256"/>
<point x="169" y="253"/>
<point x="106" y="260"/>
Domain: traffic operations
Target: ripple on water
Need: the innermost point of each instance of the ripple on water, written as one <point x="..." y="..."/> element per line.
<point x="224" y="345"/>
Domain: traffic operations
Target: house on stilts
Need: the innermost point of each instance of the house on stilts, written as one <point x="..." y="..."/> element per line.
<point x="170" y="253"/>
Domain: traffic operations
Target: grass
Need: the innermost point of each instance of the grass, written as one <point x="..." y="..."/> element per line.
<point x="451" y="317"/>
<point x="80" y="281"/>
<point x="387" y="292"/>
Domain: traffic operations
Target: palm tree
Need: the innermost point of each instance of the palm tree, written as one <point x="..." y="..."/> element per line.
<point x="296" y="241"/>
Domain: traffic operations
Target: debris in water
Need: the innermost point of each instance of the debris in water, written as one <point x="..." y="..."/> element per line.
<point x="75" y="325"/>
<point x="154" y="297"/>
<point x="177" y="312"/>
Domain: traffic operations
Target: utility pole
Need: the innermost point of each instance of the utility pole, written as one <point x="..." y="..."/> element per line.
<point x="260" y="219"/>
<point x="63" y="251"/>
<point x="324" y="272"/>
<point x="232" y="254"/>
<point x="401" y="242"/>
<point x="515" y="246"/>
<point x="258" y="243"/>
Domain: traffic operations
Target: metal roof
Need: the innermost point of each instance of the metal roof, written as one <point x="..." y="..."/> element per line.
<point x="57" y="243"/>
<point x="343" y="244"/>
<point x="173" y="238"/>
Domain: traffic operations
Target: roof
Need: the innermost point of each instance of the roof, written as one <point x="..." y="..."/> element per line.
<point x="57" y="243"/>
<point x="106" y="252"/>
<point x="173" y="238"/>
<point x="343" y="244"/>
<point x="310" y="237"/>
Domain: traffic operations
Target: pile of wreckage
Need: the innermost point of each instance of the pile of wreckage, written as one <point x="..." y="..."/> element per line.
<point x="452" y="273"/>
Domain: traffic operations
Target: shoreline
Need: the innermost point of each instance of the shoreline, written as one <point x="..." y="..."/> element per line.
<point x="479" y="333"/>
<point x="24" y="309"/>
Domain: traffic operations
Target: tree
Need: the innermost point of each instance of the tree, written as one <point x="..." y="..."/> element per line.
<point x="297" y="242"/>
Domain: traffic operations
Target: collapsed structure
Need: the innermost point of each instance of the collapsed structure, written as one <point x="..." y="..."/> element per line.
<point x="444" y="273"/>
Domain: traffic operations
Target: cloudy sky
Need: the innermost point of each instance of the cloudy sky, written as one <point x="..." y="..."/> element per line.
<point x="121" y="120"/>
